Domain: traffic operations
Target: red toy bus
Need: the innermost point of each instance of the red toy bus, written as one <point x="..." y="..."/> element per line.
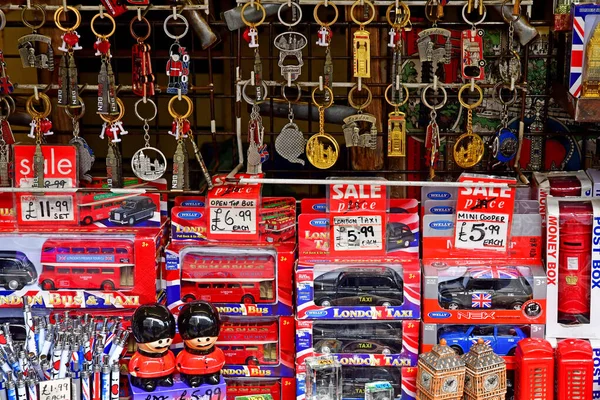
<point x="86" y="264"/>
<point x="228" y="279"/>
<point x="247" y="387"/>
<point x="277" y="226"/>
<point x="237" y="332"/>
<point x="249" y="343"/>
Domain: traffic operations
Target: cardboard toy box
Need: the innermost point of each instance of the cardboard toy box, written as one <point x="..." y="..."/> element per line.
<point x="278" y="388"/>
<point x="559" y="184"/>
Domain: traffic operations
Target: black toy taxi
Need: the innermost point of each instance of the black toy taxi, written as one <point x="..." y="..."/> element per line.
<point x="16" y="270"/>
<point x="133" y="210"/>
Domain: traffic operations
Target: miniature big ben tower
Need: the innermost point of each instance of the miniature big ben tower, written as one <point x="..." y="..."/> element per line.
<point x="485" y="377"/>
<point x="441" y="374"/>
<point x="591" y="72"/>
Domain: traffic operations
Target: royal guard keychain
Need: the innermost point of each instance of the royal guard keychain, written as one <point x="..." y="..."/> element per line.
<point x="148" y="163"/>
<point x="200" y="362"/>
<point x="290" y="143"/>
<point x="178" y="66"/>
<point x="40" y="126"/>
<point x="107" y="96"/>
<point x="68" y="91"/>
<point x="469" y="147"/>
<point x="432" y="137"/>
<point x="325" y="35"/>
<point x="85" y="154"/>
<point x="505" y="142"/>
<point x="153" y="363"/>
<point x="257" y="150"/>
<point x="142" y="76"/>
<point x="360" y="129"/>
<point x="396" y="122"/>
<point x="361" y="41"/>
<point x="180" y="129"/>
<point x="113" y="130"/>
<point x="322" y="150"/>
<point x="29" y="44"/>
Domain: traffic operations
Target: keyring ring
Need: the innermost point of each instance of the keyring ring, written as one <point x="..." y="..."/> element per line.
<point x="316" y="14"/>
<point x="169" y="34"/>
<point x="81" y="110"/>
<point x="111" y="19"/>
<point x="299" y="14"/>
<point x="111" y="118"/>
<point x="45" y="102"/>
<point x="508" y="21"/>
<point x="33" y="7"/>
<point x="298" y="89"/>
<point x="429" y="11"/>
<point x="464" y="15"/>
<point x="364" y="105"/>
<point x="175" y="114"/>
<point x="249" y="100"/>
<point x="136" y="37"/>
<point x="387" y="89"/>
<point x="59" y="11"/>
<point x="8" y="109"/>
<point x="405" y="14"/>
<point x="12" y="104"/>
<point x="497" y="94"/>
<point x="2" y="20"/>
<point x="435" y="106"/>
<point x="465" y="104"/>
<point x="259" y="7"/>
<point x="365" y="3"/>
<point x="325" y="89"/>
<point x="137" y="113"/>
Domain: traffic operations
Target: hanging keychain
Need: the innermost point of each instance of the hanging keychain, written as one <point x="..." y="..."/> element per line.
<point x="290" y="143"/>
<point x="251" y="36"/>
<point x="107" y="103"/>
<point x="85" y="154"/>
<point x="469" y="147"/>
<point x="29" y="44"/>
<point x="178" y="66"/>
<point x="257" y="150"/>
<point x="181" y="127"/>
<point x="396" y="122"/>
<point x="361" y="42"/>
<point x="6" y="140"/>
<point x="319" y="153"/>
<point x="113" y="130"/>
<point x="40" y="126"/>
<point x="290" y="45"/>
<point x="6" y="86"/>
<point x="325" y="34"/>
<point x="67" y="72"/>
<point x="472" y="62"/>
<point x="398" y="26"/>
<point x="141" y="72"/>
<point x="148" y="163"/>
<point x="510" y="62"/>
<point x="505" y="143"/>
<point x="352" y="124"/>
<point x="432" y="138"/>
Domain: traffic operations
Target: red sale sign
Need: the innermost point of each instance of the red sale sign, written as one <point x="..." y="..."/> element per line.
<point x="345" y="198"/>
<point x="484" y="214"/>
<point x="60" y="166"/>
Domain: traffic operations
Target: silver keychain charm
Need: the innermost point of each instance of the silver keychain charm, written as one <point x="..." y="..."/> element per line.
<point x="148" y="163"/>
<point x="85" y="154"/>
<point x="28" y="44"/>
<point x="257" y="150"/>
<point x="290" y="143"/>
<point x="290" y="45"/>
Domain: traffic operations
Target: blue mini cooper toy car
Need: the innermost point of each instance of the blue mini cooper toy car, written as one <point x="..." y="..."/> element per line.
<point x="502" y="338"/>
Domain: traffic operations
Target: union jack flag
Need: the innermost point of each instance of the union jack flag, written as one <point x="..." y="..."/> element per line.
<point x="580" y="12"/>
<point x="475" y="341"/>
<point x="481" y="300"/>
<point x="495" y="273"/>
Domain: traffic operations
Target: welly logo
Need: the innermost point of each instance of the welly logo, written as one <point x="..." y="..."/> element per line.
<point x="189" y="215"/>
<point x="321" y="207"/>
<point x="439" y="314"/>
<point x="441" y="225"/>
<point x="193" y="203"/>
<point x="316" y="313"/>
<point x="320" y="222"/>
<point x="442" y="210"/>
<point x="438" y="195"/>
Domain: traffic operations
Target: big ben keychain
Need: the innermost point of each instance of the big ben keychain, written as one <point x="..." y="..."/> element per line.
<point x="396" y="123"/>
<point x="180" y="129"/>
<point x="322" y="150"/>
<point x="113" y="130"/>
<point x="107" y="97"/>
<point x="68" y="90"/>
<point x="361" y="42"/>
<point x="469" y="147"/>
<point x="325" y="35"/>
<point x="40" y="126"/>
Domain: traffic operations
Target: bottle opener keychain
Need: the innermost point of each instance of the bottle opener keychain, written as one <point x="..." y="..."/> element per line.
<point x="469" y="147"/>
<point x="325" y="34"/>
<point x="113" y="129"/>
<point x="290" y="143"/>
<point x="107" y="97"/>
<point x="396" y="123"/>
<point x="178" y="66"/>
<point x="85" y="154"/>
<point x="6" y="140"/>
<point x="361" y="42"/>
<point x="472" y="62"/>
<point x="290" y="45"/>
<point x="148" y="163"/>
<point x="319" y="153"/>
<point x="68" y="91"/>
<point x="505" y="143"/>
<point x="40" y="126"/>
<point x="352" y="124"/>
<point x="257" y="150"/>
<point x="180" y="129"/>
<point x="141" y="71"/>
<point x="432" y="138"/>
<point x="28" y="44"/>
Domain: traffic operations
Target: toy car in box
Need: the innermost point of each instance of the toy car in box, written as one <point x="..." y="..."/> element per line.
<point x="278" y="388"/>
<point x="370" y="343"/>
<point x="457" y="292"/>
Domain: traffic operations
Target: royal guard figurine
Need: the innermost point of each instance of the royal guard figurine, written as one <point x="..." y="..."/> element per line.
<point x="153" y="363"/>
<point x="200" y="361"/>
<point x="177" y="69"/>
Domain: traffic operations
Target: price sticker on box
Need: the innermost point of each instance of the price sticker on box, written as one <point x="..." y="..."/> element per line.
<point x="484" y="214"/>
<point x="365" y="233"/>
<point x="36" y="208"/>
<point x="232" y="212"/>
<point x="56" y="389"/>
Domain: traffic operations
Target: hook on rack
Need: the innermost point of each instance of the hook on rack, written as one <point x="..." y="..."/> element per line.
<point x="101" y="11"/>
<point x="175" y="13"/>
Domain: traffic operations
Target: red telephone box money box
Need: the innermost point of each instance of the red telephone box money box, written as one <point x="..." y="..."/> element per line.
<point x="574" y="369"/>
<point x="534" y="372"/>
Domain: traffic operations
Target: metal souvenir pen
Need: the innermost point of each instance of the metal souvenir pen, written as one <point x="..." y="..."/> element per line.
<point x="76" y="354"/>
<point x="41" y="338"/>
<point x="5" y="367"/>
<point x="117" y="349"/>
<point x="11" y="390"/>
<point x="24" y="363"/>
<point x="65" y="357"/>
<point x="35" y="366"/>
<point x="105" y="382"/>
<point x="96" y="380"/>
<point x="8" y="336"/>
<point x="46" y="368"/>
<point x="85" y="385"/>
<point x="2" y="387"/>
<point x="87" y="347"/>
<point x="28" y="317"/>
<point x="12" y="360"/>
<point x="56" y="355"/>
<point x="21" y="388"/>
<point x="32" y="388"/>
<point x="75" y="386"/>
<point x="48" y="340"/>
<point x="115" y="380"/>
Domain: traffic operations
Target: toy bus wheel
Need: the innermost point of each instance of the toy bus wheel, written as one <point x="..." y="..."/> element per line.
<point x="48" y="285"/>
<point x="88" y="220"/>
<point x="480" y="32"/>
<point x="14" y="284"/>
<point x="131" y="221"/>
<point x="457" y="349"/>
<point x="517" y="305"/>
<point x="252" y="361"/>
<point x="481" y="63"/>
<point x="188" y="297"/>
<point x="247" y="299"/>
<point x="325" y="302"/>
<point x="107" y="285"/>
<point x="511" y="352"/>
<point x="453" y="306"/>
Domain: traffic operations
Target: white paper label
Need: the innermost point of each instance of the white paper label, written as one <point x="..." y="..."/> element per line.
<point x="232" y="216"/>
<point x="47" y="208"/>
<point x="358" y="232"/>
<point x="479" y="231"/>
<point x="57" y="389"/>
<point x="572" y="263"/>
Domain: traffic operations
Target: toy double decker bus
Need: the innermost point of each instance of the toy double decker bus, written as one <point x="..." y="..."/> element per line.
<point x="86" y="264"/>
<point x="277" y="226"/>
<point x="256" y="386"/>
<point x="97" y="206"/>
<point x="247" y="279"/>
<point x="249" y="342"/>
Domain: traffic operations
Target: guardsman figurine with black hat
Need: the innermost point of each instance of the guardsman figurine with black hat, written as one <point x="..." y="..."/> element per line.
<point x="153" y="363"/>
<point x="200" y="361"/>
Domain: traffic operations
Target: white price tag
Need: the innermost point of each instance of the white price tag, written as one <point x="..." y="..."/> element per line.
<point x="47" y="208"/>
<point x="358" y="232"/>
<point x="476" y="230"/>
<point x="232" y="217"/>
<point x="57" y="389"/>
